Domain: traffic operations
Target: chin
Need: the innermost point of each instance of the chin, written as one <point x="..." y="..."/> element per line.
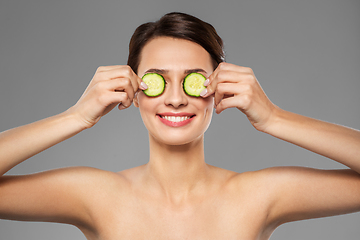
<point x="176" y="139"/>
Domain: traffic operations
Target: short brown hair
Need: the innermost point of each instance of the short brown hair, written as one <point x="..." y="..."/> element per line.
<point x="177" y="25"/>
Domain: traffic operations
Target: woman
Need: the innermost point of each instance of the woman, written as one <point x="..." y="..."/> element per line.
<point x="176" y="195"/>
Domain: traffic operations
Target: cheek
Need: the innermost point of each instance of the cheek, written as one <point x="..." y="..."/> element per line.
<point x="142" y="100"/>
<point x="147" y="107"/>
<point x="206" y="105"/>
<point x="145" y="104"/>
<point x="210" y="107"/>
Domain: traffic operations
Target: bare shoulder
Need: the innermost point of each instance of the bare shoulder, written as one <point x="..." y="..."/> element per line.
<point x="97" y="183"/>
<point x="267" y="186"/>
<point x="59" y="195"/>
<point x="297" y="193"/>
<point x="83" y="176"/>
<point x="258" y="179"/>
<point x="275" y="175"/>
<point x="77" y="182"/>
<point x="276" y="179"/>
<point x="70" y="176"/>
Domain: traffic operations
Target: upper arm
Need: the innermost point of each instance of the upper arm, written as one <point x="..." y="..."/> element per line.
<point x="301" y="193"/>
<point x="54" y="196"/>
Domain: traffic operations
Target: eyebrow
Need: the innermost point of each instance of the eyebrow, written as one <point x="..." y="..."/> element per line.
<point x="164" y="71"/>
<point x="196" y="70"/>
<point x="156" y="70"/>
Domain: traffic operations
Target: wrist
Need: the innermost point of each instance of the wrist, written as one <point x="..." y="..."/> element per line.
<point x="271" y="122"/>
<point x="276" y="119"/>
<point x="288" y="126"/>
<point x="72" y="117"/>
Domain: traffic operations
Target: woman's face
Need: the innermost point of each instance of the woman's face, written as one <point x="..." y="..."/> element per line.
<point x="174" y="117"/>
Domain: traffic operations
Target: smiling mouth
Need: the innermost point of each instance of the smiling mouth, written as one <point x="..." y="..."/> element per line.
<point x="176" y="119"/>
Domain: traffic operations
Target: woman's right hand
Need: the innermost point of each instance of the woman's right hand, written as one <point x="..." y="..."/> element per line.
<point x="110" y="86"/>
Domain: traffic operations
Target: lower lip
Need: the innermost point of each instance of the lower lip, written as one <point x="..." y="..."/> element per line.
<point x="175" y="124"/>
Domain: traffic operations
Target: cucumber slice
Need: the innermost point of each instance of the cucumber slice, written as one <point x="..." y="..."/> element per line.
<point x="155" y="83"/>
<point x="194" y="84"/>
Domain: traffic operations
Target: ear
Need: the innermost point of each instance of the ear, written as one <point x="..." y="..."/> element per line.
<point x="136" y="99"/>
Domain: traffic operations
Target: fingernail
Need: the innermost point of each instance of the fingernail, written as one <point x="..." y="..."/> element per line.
<point x="207" y="81"/>
<point x="204" y="92"/>
<point x="143" y="85"/>
<point x="121" y="107"/>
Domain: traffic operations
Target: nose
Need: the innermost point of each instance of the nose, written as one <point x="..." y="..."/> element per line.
<point x="175" y="95"/>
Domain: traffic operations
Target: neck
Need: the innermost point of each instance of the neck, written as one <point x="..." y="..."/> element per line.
<point x="177" y="171"/>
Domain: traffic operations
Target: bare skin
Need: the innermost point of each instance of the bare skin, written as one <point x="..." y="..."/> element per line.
<point x="176" y="195"/>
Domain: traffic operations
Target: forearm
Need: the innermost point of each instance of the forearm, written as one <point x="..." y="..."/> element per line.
<point x="21" y="143"/>
<point x="336" y="142"/>
<point x="110" y="86"/>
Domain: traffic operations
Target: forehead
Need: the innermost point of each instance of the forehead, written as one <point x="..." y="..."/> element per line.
<point x="174" y="55"/>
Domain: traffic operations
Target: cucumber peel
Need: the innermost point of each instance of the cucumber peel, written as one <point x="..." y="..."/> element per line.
<point x="155" y="83"/>
<point x="194" y="84"/>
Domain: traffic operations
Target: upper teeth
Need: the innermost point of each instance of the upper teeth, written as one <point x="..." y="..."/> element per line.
<point x="175" y="119"/>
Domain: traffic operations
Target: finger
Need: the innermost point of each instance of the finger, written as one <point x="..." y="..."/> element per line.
<point x="113" y="98"/>
<point x="226" y="76"/>
<point x="127" y="72"/>
<point x="104" y="73"/>
<point x="226" y="72"/>
<point x="125" y="85"/>
<point x="210" y="84"/>
<point x="125" y="103"/>
<point x="230" y="89"/>
<point x="228" y="67"/>
<point x="242" y="102"/>
<point x="142" y="85"/>
<point x="233" y="67"/>
<point x="226" y="89"/>
<point x="111" y="72"/>
<point x="119" y="85"/>
<point x="108" y="68"/>
<point x="226" y="103"/>
<point x="121" y="107"/>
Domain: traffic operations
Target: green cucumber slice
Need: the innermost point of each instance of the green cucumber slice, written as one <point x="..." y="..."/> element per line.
<point x="194" y="84"/>
<point x="155" y="83"/>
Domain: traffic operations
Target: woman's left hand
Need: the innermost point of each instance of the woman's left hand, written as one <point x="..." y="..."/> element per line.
<point x="236" y="86"/>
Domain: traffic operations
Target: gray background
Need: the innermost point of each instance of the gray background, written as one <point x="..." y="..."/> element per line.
<point x="305" y="54"/>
